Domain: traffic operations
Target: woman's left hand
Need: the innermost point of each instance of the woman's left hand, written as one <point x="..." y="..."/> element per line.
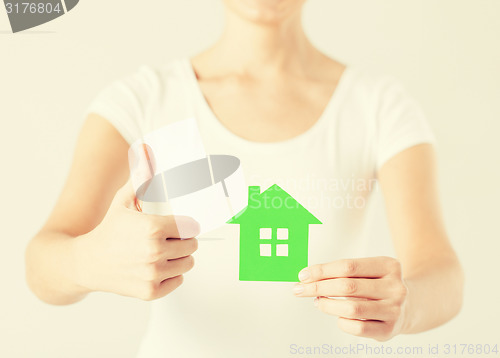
<point x="376" y="294"/>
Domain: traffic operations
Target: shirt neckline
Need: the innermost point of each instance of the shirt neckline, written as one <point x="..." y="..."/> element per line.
<point x="330" y="109"/>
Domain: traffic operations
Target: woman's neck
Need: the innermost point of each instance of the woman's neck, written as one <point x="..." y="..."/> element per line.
<point x="259" y="49"/>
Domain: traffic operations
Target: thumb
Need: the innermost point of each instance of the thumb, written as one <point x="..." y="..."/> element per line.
<point x="126" y="196"/>
<point x="142" y="167"/>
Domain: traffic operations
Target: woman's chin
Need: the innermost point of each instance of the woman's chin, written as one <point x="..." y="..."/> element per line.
<point x="266" y="12"/>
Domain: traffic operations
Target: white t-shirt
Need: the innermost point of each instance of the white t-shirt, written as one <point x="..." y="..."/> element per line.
<point x="330" y="169"/>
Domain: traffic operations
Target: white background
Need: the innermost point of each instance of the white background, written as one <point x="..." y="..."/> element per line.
<point x="446" y="52"/>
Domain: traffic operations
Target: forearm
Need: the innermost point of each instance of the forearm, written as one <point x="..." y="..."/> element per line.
<point x="435" y="293"/>
<point x="51" y="268"/>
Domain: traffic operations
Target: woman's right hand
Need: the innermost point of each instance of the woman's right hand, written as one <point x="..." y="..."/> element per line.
<point x="135" y="254"/>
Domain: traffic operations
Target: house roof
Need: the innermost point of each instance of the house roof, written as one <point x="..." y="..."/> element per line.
<point x="274" y="203"/>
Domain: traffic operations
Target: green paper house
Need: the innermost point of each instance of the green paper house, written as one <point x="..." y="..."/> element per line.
<point x="274" y="230"/>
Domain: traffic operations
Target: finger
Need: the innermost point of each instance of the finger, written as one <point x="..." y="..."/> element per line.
<point x="354" y="309"/>
<point x="142" y="164"/>
<point x="369" y="267"/>
<point x="142" y="167"/>
<point x="373" y="329"/>
<point x="178" y="267"/>
<point x="125" y="196"/>
<point x="345" y="287"/>
<point x="176" y="248"/>
<point x="155" y="291"/>
<point x="172" y="226"/>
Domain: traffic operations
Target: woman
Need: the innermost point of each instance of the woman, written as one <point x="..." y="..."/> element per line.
<point x="293" y="116"/>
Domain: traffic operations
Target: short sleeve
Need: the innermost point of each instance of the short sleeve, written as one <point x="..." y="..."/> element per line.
<point x="401" y="122"/>
<point x="124" y="103"/>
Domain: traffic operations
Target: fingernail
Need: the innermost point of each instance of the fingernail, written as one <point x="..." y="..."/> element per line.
<point x="304" y="275"/>
<point x="316" y="302"/>
<point x="298" y="289"/>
